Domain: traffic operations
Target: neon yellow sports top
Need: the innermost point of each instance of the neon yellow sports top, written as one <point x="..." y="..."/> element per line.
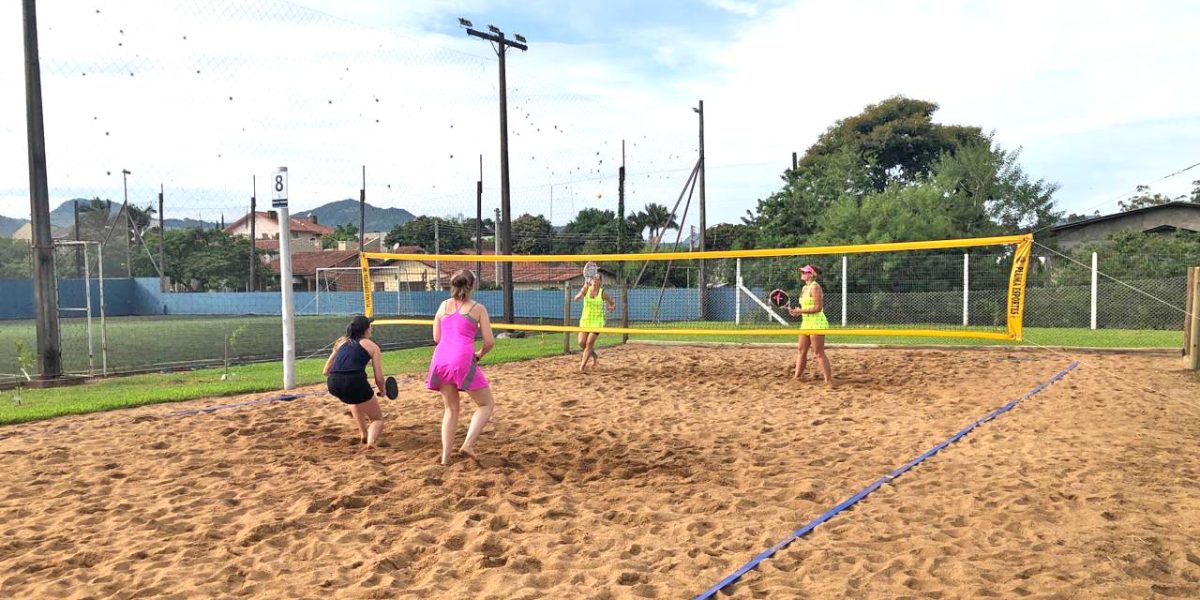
<point x="593" y="309"/>
<point x="815" y="320"/>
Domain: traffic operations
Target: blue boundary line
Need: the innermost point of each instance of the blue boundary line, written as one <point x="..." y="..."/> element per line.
<point x="848" y="502"/>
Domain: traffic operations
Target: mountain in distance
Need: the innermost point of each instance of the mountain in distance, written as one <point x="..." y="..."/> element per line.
<point x="9" y="225"/>
<point x="345" y="212"/>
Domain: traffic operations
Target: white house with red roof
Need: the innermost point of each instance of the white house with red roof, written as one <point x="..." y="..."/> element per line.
<point x="306" y="234"/>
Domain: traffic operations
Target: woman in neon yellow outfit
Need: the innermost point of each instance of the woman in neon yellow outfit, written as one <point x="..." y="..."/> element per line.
<point x="812" y="309"/>
<point x="595" y="301"/>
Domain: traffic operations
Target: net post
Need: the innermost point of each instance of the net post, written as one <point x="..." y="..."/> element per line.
<point x="368" y="287"/>
<point x="1191" y="334"/>
<point x="624" y="307"/>
<point x="566" y="316"/>
<point x="845" y="287"/>
<point x="737" y="292"/>
<point x="103" y="323"/>
<point x="1016" y="288"/>
<point x="1095" y="286"/>
<point x="966" y="289"/>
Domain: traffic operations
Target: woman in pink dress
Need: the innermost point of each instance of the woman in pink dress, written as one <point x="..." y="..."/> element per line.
<point x="454" y="367"/>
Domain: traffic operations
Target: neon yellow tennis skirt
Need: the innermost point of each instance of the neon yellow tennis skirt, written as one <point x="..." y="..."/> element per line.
<point x="815" y="321"/>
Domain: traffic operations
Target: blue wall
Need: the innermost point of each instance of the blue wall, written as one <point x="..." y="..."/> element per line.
<point x="131" y="297"/>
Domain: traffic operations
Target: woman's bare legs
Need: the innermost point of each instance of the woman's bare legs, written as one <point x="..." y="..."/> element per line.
<point x="801" y="357"/>
<point x="361" y="420"/>
<point x="449" y="419"/>
<point x="485" y="405"/>
<point x="822" y="361"/>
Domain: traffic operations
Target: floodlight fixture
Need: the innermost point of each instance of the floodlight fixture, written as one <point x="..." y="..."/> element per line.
<point x="464" y="22"/>
<point x="495" y="30"/>
<point x="521" y="38"/>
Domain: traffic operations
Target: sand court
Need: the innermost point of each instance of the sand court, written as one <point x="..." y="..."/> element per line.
<point x="653" y="477"/>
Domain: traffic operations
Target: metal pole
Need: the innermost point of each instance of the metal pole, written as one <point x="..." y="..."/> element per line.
<point x="162" y="246"/>
<point x="125" y="173"/>
<point x="87" y="298"/>
<point x="703" y="280"/>
<point x="496" y="238"/>
<point x="253" y="230"/>
<point x="1194" y="335"/>
<point x="1095" y="287"/>
<point x="79" y="250"/>
<point x="279" y="201"/>
<point x="621" y="244"/>
<point x="49" y="346"/>
<point x="966" y="289"/>
<point x="103" y="323"/>
<point x="737" y="292"/>
<point x="479" y="225"/>
<point x="845" y="288"/>
<point x="362" y="212"/>
<point x="566" y="316"/>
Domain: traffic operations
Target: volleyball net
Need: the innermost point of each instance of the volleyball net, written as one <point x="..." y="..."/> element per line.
<point x="964" y="288"/>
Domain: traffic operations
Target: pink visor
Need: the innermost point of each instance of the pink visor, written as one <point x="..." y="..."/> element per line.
<point x="807" y="269"/>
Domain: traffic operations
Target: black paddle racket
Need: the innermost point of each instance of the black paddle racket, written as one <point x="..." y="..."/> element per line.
<point x="390" y="389"/>
<point x="780" y="298"/>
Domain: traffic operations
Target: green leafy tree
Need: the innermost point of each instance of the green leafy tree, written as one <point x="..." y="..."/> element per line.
<point x="207" y="259"/>
<point x="341" y="233"/>
<point x="657" y="218"/>
<point x="1144" y="198"/>
<point x="532" y="234"/>
<point x="452" y="234"/>
<point x="727" y="236"/>
<point x="595" y="231"/>
<point x="16" y="259"/>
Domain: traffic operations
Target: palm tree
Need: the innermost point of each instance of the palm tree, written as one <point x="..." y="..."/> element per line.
<point x="658" y="219"/>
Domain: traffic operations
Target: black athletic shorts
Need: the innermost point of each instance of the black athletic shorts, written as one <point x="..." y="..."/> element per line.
<point x="350" y="388"/>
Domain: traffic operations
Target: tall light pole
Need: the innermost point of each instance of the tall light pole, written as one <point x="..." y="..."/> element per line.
<point x="125" y="173"/>
<point x="501" y="45"/>
<point x="703" y="281"/>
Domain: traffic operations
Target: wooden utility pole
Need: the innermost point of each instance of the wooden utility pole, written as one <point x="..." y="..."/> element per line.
<point x="1191" y="327"/>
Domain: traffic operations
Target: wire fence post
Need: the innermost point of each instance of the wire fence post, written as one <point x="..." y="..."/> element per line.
<point x="845" y="288"/>
<point x="966" y="289"/>
<point x="1095" y="286"/>
<point x="1191" y="334"/>
<point x="737" y="292"/>
<point x="566" y="316"/>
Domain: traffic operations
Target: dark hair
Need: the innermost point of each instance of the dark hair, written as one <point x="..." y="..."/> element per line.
<point x="461" y="284"/>
<point x="358" y="327"/>
<point x="817" y="269"/>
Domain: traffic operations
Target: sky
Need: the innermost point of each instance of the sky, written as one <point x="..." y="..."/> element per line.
<point x="203" y="99"/>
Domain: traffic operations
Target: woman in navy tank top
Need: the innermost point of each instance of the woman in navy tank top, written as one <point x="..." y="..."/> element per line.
<point x="347" y="378"/>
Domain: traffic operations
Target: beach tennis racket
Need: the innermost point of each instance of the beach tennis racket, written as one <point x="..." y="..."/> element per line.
<point x="590" y="270"/>
<point x="390" y="389"/>
<point x="780" y="299"/>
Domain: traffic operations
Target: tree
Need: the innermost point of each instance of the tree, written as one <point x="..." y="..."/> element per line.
<point x="207" y="259"/>
<point x="588" y="229"/>
<point x="16" y="259"/>
<point x="532" y="235"/>
<point x="452" y="234"/>
<point x="887" y="149"/>
<point x="726" y="236"/>
<point x="656" y="218"/>
<point x="1145" y="199"/>
<point x="895" y="140"/>
<point x="341" y="233"/>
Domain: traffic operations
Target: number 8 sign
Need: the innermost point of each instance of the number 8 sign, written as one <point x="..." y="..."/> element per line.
<point x="279" y="191"/>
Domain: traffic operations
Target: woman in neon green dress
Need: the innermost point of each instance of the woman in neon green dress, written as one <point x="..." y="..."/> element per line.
<point x="812" y="310"/>
<point x="595" y="301"/>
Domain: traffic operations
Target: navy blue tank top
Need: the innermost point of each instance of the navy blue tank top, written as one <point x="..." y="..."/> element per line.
<point x="351" y="357"/>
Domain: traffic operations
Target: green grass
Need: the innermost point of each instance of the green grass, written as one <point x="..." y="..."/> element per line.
<point x="136" y="343"/>
<point x="138" y="390"/>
